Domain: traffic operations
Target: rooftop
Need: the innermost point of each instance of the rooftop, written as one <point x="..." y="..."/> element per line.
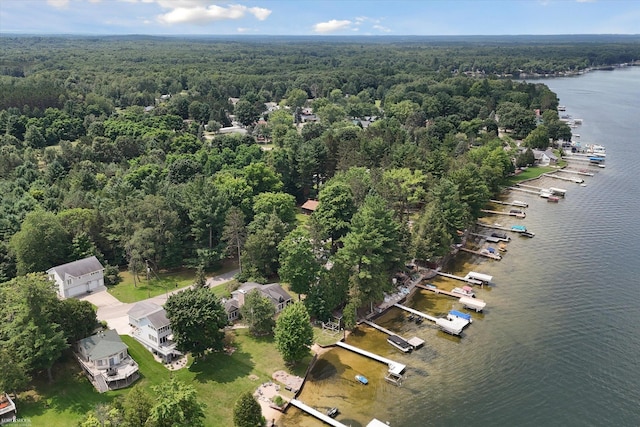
<point x="103" y="344"/>
<point x="78" y="268"/>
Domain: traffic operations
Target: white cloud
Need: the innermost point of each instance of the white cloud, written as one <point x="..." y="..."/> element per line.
<point x="58" y="3"/>
<point x="381" y="28"/>
<point x="331" y="26"/>
<point x="193" y="12"/>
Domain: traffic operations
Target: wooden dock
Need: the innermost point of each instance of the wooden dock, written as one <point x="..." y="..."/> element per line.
<point x="319" y="415"/>
<point x="439" y="291"/>
<point x="517" y="204"/>
<point x="462" y="279"/>
<point x="524" y="190"/>
<point x="564" y="178"/>
<point x="576" y="172"/>
<point x="491" y="239"/>
<point x="517" y="215"/>
<point x="489" y="255"/>
<point x="415" y="341"/>
<point x="416" y="312"/>
<point x="394" y="367"/>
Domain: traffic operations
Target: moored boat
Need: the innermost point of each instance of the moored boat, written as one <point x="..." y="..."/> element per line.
<point x="399" y="343"/>
<point x="333" y="412"/>
<point x="362" y="379"/>
<point x="553" y="199"/>
<point x="465" y="291"/>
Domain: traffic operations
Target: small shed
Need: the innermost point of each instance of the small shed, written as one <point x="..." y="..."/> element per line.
<point x="309" y="206"/>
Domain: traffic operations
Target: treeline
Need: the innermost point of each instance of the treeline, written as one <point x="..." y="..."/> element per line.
<point x="401" y="158"/>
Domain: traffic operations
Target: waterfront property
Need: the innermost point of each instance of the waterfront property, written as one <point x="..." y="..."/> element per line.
<point x="77" y="277"/>
<point x="273" y="291"/>
<point x="152" y="329"/>
<point x="106" y="361"/>
<point x="394" y="367"/>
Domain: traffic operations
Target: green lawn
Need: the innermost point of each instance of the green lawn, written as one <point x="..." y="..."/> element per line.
<point x="126" y="292"/>
<point x="219" y="380"/>
<point x="532" y="172"/>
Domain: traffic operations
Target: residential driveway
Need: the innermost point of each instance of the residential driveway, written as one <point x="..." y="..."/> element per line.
<point x="114" y="312"/>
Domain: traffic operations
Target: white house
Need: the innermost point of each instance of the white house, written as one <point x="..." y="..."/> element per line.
<point x="106" y="361"/>
<point x="153" y="330"/>
<point x="77" y="277"/>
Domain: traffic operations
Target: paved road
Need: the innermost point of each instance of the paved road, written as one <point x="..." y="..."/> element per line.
<point x="115" y="312"/>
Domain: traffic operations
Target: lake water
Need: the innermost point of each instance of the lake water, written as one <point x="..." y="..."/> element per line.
<point x="559" y="343"/>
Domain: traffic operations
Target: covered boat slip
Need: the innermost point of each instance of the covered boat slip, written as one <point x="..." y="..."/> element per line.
<point x="473" y="303"/>
<point x="484" y="278"/>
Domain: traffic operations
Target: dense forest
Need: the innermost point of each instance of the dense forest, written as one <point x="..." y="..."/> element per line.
<point x="111" y="146"/>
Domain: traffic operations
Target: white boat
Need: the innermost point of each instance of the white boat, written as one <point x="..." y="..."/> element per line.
<point x="520" y="203"/>
<point x="465" y="291"/>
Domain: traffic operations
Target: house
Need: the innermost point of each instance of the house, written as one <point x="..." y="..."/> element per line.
<point x="278" y="296"/>
<point x="106" y="361"/>
<point x="152" y="329"/>
<point x="77" y="277"/>
<point x="309" y="206"/>
<point x="7" y="409"/>
<point x="544" y="158"/>
<point x="232" y="309"/>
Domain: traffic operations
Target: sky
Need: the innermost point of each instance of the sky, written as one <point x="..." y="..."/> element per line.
<point x="320" y="17"/>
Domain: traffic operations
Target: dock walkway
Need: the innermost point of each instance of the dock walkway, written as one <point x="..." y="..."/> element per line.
<point x="319" y="415"/>
<point x="416" y="312"/>
<point x="439" y="291"/>
<point x="415" y="341"/>
<point x="462" y="279"/>
<point x="514" y="203"/>
<point x="516" y="214"/>
<point x="394" y="367"/>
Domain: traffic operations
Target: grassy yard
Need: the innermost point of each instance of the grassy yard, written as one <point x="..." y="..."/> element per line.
<point x="126" y="292"/>
<point x="219" y="380"/>
<point x="532" y="172"/>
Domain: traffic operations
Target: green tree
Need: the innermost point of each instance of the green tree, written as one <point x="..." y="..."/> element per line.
<point x="281" y="204"/>
<point x="41" y="243"/>
<point x="258" y="313"/>
<point x="260" y="255"/>
<point x="201" y="279"/>
<point x="30" y="332"/>
<point x="234" y="233"/>
<point x="296" y="98"/>
<point x="298" y="264"/>
<point x="334" y="212"/>
<point x="293" y="333"/>
<point x="246" y="112"/>
<point x="538" y="138"/>
<point x="76" y="318"/>
<point x="247" y="411"/>
<point x="136" y="407"/>
<point x="177" y="405"/>
<point x="197" y="320"/>
<point x="371" y="251"/>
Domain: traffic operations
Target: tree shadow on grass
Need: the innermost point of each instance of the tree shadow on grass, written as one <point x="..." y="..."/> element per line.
<point x="71" y="391"/>
<point x="222" y="367"/>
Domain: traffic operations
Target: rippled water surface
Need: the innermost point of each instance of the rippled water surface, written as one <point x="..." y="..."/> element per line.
<point x="559" y="343"/>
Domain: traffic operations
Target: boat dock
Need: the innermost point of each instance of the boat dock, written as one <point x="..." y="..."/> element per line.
<point x="564" y="178"/>
<point x="472" y="303"/>
<point x="415" y="341"/>
<point x="514" y="203"/>
<point x="394" y="367"/>
<point x="500" y="227"/>
<point x="451" y="324"/>
<point x="491" y="239"/>
<point x="576" y="172"/>
<point x="319" y="415"/>
<point x="524" y="190"/>
<point x="516" y="214"/>
<point x="416" y="312"/>
<point x="487" y="254"/>
<point x="462" y="279"/>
